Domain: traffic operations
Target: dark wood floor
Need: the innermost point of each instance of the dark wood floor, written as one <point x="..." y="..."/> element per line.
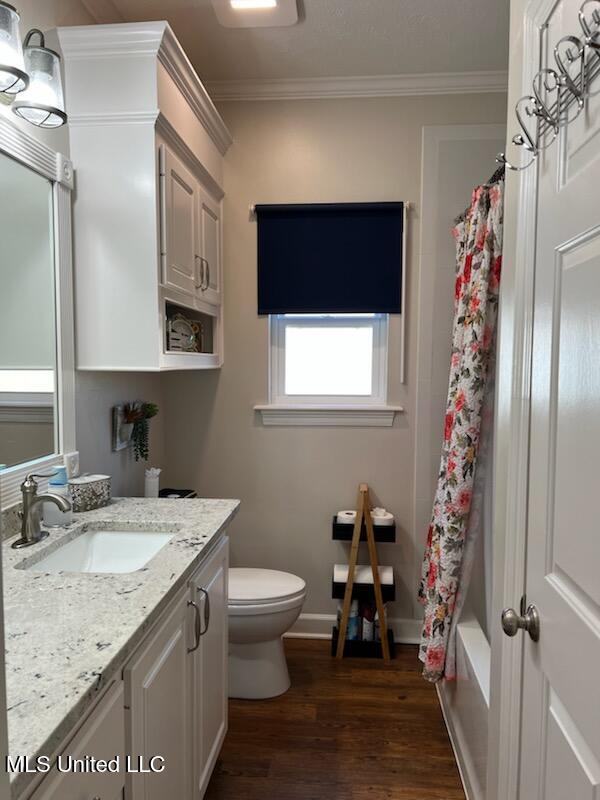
<point x="350" y="730"/>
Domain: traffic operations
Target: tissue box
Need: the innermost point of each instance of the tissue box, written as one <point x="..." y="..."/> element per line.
<point x="90" y="492"/>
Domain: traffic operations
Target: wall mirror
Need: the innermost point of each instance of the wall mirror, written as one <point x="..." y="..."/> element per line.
<point x="37" y="415"/>
<point x="27" y="316"/>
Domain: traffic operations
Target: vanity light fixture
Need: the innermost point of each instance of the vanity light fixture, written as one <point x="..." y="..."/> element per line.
<point x="42" y="102"/>
<point x="13" y="78"/>
<point x="252" y="5"/>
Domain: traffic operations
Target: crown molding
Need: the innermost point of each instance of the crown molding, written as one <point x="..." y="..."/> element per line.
<point x="172" y="56"/>
<point x="109" y="41"/>
<point x="113" y="118"/>
<point x="362" y="86"/>
<point x="142" y="39"/>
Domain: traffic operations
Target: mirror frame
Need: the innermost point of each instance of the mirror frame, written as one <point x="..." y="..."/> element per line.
<point x="58" y="169"/>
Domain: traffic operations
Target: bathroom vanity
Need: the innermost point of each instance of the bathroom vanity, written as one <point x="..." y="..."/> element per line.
<point x="109" y="665"/>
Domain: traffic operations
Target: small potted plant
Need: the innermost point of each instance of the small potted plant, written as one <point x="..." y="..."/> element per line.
<point x="137" y="415"/>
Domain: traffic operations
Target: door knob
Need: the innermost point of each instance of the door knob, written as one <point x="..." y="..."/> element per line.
<point x="528" y="621"/>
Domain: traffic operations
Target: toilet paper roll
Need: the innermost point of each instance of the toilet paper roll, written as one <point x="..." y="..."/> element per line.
<point x="382" y="517"/>
<point x="346" y="517"/>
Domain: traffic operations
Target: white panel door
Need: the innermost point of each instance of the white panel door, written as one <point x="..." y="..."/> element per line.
<point x="157" y="693"/>
<point x="209" y="218"/>
<point x="180" y="230"/>
<point x="209" y="590"/>
<point x="560" y="757"/>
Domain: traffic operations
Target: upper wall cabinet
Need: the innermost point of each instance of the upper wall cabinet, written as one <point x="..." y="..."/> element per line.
<point x="148" y="145"/>
<point x="191" y="232"/>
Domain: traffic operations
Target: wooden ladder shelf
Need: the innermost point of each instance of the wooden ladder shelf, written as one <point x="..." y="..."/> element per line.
<point x="363" y="512"/>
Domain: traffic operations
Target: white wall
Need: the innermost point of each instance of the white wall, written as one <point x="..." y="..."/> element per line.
<point x="292" y="480"/>
<point x="95" y="392"/>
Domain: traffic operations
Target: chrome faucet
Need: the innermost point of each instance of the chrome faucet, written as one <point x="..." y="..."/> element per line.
<point x="31" y="531"/>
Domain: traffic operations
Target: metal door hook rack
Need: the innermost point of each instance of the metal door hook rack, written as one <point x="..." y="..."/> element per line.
<point x="559" y="95"/>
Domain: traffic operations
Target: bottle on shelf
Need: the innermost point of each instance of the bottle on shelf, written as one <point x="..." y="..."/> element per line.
<point x="367" y="614"/>
<point x="353" y="631"/>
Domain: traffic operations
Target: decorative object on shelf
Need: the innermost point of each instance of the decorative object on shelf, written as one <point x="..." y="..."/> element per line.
<point x="139" y="413"/>
<point x="559" y="95"/>
<point x="353" y="587"/>
<point x="89" y="492"/>
<point x="31" y="72"/>
<point x="121" y="430"/>
<point x="184" y="334"/>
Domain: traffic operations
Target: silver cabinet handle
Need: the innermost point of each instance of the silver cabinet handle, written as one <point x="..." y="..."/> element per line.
<point x="197" y="626"/>
<point x="206" y="610"/>
<point x="201" y="284"/>
<point x="205" y="274"/>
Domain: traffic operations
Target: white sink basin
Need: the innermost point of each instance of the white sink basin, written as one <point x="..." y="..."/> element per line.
<point x="104" y="551"/>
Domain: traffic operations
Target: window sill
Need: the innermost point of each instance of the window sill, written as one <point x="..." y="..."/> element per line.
<point x="330" y="416"/>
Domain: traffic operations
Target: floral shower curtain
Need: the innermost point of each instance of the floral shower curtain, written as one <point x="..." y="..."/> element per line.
<point x="479" y="259"/>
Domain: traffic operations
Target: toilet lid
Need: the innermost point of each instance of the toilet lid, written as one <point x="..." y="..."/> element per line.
<point x="252" y="586"/>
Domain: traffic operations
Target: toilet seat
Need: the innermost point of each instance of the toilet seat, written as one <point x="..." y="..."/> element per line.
<point x="263" y="591"/>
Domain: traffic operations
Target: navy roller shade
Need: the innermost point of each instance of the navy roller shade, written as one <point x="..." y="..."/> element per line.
<point x="333" y="258"/>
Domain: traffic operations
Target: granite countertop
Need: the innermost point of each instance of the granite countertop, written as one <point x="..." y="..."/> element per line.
<point x="68" y="634"/>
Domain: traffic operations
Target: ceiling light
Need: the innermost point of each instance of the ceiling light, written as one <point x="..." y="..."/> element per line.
<point x="13" y="78"/>
<point x="252" y="5"/>
<point x="256" y="13"/>
<point x="42" y="103"/>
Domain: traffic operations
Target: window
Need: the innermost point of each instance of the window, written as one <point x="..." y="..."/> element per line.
<point x="329" y="359"/>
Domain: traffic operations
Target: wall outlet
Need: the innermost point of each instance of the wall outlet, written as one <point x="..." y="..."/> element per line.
<point x="72" y="464"/>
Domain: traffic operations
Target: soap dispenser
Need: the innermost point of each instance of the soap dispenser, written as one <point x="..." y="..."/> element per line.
<point x="53" y="516"/>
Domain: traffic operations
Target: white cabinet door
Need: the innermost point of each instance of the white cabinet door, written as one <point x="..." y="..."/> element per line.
<point x="102" y="736"/>
<point x="180" y="229"/>
<point x="209" y="591"/>
<point x="209" y="222"/>
<point x="157" y="694"/>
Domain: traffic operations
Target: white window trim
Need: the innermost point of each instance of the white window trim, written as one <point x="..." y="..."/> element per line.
<point x="319" y="410"/>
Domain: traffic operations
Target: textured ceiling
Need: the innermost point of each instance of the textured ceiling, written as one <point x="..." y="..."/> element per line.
<point x="338" y="37"/>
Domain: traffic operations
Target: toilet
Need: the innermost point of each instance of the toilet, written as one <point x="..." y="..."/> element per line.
<point x="263" y="604"/>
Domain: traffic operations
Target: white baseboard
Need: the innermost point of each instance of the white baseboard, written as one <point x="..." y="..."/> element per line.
<point x="318" y="626"/>
<point x="457" y="745"/>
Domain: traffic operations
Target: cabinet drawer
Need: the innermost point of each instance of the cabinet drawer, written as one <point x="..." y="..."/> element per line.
<point x="102" y="737"/>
